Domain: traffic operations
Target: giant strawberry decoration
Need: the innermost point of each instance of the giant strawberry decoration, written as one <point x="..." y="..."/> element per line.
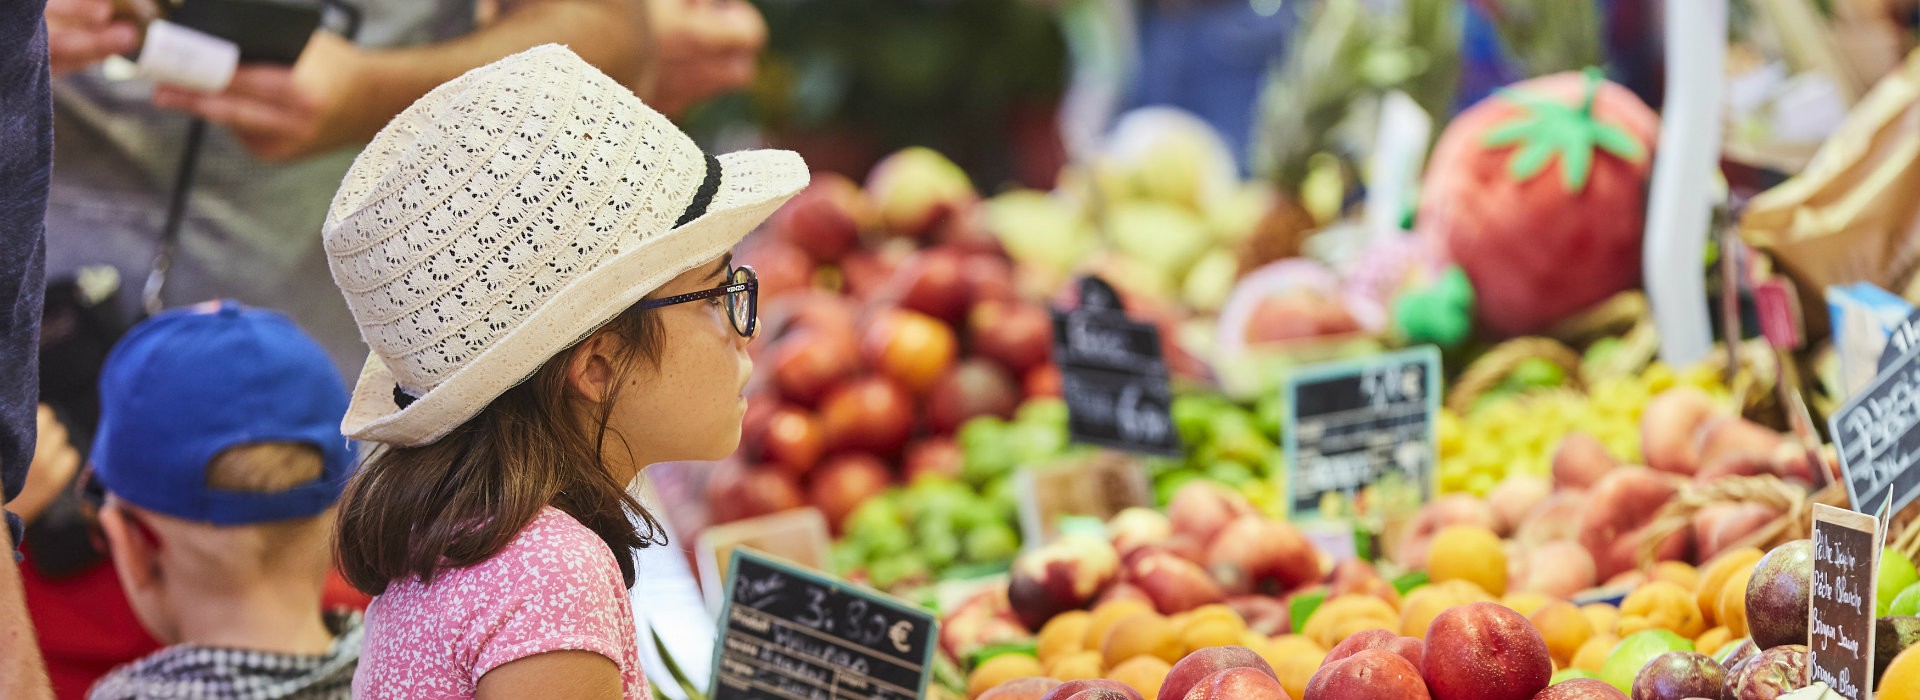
<point x="1541" y="242"/>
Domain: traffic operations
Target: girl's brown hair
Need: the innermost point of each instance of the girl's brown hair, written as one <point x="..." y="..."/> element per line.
<point x="416" y="511"/>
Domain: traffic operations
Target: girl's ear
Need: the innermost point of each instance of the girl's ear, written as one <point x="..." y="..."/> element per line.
<point x="590" y="374"/>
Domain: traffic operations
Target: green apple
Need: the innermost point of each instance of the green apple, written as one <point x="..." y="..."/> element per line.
<point x="1896" y="574"/>
<point x="1906" y="603"/>
<point x="1635" y="652"/>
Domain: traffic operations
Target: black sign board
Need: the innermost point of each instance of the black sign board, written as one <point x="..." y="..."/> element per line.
<point x="1904" y="338"/>
<point x="1351" y="424"/>
<point x="1846" y="553"/>
<point x="1113" y="375"/>
<point x="1878" y="433"/>
<point x="792" y="634"/>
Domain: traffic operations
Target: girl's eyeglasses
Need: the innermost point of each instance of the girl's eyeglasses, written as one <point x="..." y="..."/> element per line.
<point x="742" y="292"/>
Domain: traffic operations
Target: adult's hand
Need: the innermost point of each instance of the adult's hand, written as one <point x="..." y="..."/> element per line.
<point x="281" y="112"/>
<point x="81" y="33"/>
<point x="705" y="47"/>
<point x="55" y="462"/>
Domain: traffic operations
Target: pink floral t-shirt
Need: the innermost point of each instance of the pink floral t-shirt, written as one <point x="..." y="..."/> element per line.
<point x="555" y="587"/>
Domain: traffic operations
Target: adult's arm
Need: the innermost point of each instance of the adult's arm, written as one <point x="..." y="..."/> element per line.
<point x="338" y="94"/>
<point x="22" y="673"/>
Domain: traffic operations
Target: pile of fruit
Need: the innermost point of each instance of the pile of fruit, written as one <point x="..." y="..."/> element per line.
<point x="1229" y="444"/>
<point x="1149" y="612"/>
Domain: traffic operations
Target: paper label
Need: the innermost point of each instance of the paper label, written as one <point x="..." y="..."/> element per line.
<point x="182" y="57"/>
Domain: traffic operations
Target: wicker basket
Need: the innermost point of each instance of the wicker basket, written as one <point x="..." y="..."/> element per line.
<point x="1793" y="502"/>
<point x="1487" y="372"/>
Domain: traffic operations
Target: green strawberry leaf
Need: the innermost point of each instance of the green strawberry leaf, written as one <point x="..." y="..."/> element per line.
<point x="1548" y="128"/>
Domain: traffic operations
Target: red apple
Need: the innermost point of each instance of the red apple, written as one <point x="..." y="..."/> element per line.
<point x="1017" y="335"/>
<point x="753" y="424"/>
<point x="971" y="389"/>
<point x="1202" y="664"/>
<point x="871" y="414"/>
<point x="1138" y="527"/>
<point x="844" y="482"/>
<point x="917" y="190"/>
<point x="1255" y="554"/>
<point x="1042" y="381"/>
<point x="811" y="361"/>
<point x="793" y="440"/>
<point x="912" y="348"/>
<point x="826" y="219"/>
<point x="982" y="621"/>
<point x="989" y="277"/>
<point x="782" y="268"/>
<point x="931" y="283"/>
<point x="1485" y="651"/>
<point x="736" y="492"/>
<point x="932" y="458"/>
<point x="1357" y="577"/>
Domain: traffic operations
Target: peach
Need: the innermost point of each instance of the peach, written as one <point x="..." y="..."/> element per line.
<point x="1581" y="689"/>
<point x="1121" y="590"/>
<point x="1554" y="520"/>
<point x="1371" y="673"/>
<point x="1730" y="438"/>
<point x="1580" y="461"/>
<point x="1143" y="634"/>
<point x="1029" y="688"/>
<point x="1623" y="502"/>
<point x="1558" y="569"/>
<point x="1238" y="684"/>
<point x="982" y="621"/>
<point x="1409" y="648"/>
<point x="1485" y="651"/>
<point x="1061" y="576"/>
<point x="1137" y="527"/>
<point x="1174" y="584"/>
<point x="1093" y="689"/>
<point x="1719" y="526"/>
<point x="1668" y="426"/>
<point x="1253" y="554"/>
<point x="1190" y="672"/>
<point x="1515" y="498"/>
<point x="1200" y="509"/>
<point x="1357" y="577"/>
<point x="1265" y="615"/>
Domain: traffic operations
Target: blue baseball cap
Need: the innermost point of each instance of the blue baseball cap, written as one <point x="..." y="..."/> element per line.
<point x="191" y="382"/>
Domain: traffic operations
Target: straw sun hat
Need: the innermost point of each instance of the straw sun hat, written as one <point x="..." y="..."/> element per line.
<point x="510" y="213"/>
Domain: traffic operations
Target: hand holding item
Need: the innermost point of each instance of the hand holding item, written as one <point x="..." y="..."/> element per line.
<point x="81" y="33"/>
<point x="705" y="47"/>
<point x="279" y="112"/>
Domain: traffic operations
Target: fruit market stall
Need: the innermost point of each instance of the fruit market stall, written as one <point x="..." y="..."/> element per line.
<point x="1540" y="507"/>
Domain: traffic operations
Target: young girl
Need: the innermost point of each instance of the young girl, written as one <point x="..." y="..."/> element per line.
<point x="539" y="264"/>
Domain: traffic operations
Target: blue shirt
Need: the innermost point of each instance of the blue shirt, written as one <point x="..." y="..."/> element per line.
<point x="26" y="157"/>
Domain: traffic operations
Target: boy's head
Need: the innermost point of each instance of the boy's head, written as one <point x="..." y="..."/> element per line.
<point x="220" y="450"/>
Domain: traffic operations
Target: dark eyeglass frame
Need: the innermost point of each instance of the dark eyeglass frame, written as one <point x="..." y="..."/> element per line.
<point x="739" y="279"/>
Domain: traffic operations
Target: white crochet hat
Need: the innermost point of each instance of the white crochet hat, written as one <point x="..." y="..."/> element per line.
<point x="510" y="213"/>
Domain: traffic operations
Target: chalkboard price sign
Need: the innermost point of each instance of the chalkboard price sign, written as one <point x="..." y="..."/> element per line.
<point x="1846" y="552"/>
<point x="1113" y="375"/>
<point x="1878" y="434"/>
<point x="793" y="634"/>
<point x="1353" y="424"/>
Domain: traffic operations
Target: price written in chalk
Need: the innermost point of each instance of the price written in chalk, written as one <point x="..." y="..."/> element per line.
<point x="1113" y="375"/>
<point x="1353" y="424"/>
<point x="1878" y="436"/>
<point x="1846" y="549"/>
<point x="793" y="633"/>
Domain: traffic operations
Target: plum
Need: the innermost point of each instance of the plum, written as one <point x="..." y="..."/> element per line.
<point x="1677" y="675"/>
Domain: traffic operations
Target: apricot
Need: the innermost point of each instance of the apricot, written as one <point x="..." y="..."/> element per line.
<point x="1603" y="616"/>
<point x="1564" y="627"/>
<point x="1064" y="634"/>
<point x="1079" y="665"/>
<point x="1713" y="579"/>
<point x="1294" y="659"/>
<point x="1661" y="605"/>
<point x="1000" y="669"/>
<point x="1732" y="608"/>
<point x="1526" y="603"/>
<point x="1212" y="633"/>
<point x="1142" y="634"/>
<point x="1677" y="572"/>
<point x="1469" y="553"/>
<point x="1341" y="617"/>
<point x="1106" y="614"/>
<point x="1593" y="654"/>
<point x="1712" y="640"/>
<point x="1427" y="602"/>
<point x="1142" y="673"/>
